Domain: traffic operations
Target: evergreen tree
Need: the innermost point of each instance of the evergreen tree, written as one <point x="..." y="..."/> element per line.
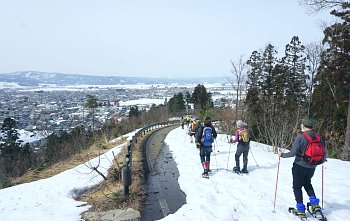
<point x="188" y="100"/>
<point x="254" y="84"/>
<point x="92" y="104"/>
<point x="255" y="63"/>
<point x="269" y="61"/>
<point x="201" y="98"/>
<point x="176" y="104"/>
<point x="134" y="112"/>
<point x="296" y="85"/>
<point x="10" y="146"/>
<point x="9" y="142"/>
<point x="332" y="81"/>
<point x="269" y="113"/>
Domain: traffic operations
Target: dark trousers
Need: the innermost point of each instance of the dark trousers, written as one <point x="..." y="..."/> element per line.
<point x="302" y="178"/>
<point x="245" y="150"/>
<point x="204" y="153"/>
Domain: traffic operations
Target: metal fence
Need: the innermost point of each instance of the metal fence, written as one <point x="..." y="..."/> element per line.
<point x="126" y="171"/>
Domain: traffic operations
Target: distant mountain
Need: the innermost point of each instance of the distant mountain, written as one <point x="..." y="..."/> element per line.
<point x="34" y="78"/>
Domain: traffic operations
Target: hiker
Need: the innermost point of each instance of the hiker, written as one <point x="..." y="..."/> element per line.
<point x="182" y="121"/>
<point x="196" y="129"/>
<point x="302" y="169"/>
<point x="242" y="137"/>
<point x="204" y="139"/>
<point x="191" y="130"/>
<point x="188" y="120"/>
<point x="198" y="125"/>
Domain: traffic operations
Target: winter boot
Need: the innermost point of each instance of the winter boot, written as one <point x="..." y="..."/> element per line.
<point x="313" y="206"/>
<point x="236" y="169"/>
<point x="209" y="170"/>
<point x="300" y="210"/>
<point x="206" y="167"/>
<point x="244" y="170"/>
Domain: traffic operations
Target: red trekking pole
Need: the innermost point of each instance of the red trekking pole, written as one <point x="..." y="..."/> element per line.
<point x="278" y="169"/>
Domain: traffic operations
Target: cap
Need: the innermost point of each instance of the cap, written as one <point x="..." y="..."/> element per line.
<point x="308" y="122"/>
<point x="240" y="123"/>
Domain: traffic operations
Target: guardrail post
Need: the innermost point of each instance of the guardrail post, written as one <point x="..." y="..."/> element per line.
<point x="126" y="174"/>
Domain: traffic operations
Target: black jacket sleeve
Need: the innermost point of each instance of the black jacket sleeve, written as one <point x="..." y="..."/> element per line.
<point x="214" y="132"/>
<point x="198" y="135"/>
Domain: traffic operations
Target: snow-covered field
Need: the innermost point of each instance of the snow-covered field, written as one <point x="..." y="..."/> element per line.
<point x="225" y="196"/>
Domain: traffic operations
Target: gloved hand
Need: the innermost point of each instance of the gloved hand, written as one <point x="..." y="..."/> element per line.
<point x="198" y="145"/>
<point x="231" y="140"/>
<point x="279" y="153"/>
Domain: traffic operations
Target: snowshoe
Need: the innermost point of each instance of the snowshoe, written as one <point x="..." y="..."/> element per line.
<point x="316" y="212"/>
<point x="205" y="175"/>
<point x="237" y="170"/>
<point x="300" y="215"/>
<point x="244" y="171"/>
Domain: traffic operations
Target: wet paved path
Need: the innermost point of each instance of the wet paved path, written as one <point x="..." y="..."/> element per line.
<point x="164" y="196"/>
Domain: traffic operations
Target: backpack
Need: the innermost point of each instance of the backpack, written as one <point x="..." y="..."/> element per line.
<point x="243" y="135"/>
<point x="193" y="125"/>
<point x="314" y="151"/>
<point x="207" y="136"/>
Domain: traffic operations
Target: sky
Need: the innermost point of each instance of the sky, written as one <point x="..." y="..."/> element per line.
<point x="153" y="38"/>
<point x="225" y="196"/>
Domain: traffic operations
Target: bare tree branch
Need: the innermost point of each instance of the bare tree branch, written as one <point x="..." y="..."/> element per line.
<point x="315" y="6"/>
<point x="239" y="71"/>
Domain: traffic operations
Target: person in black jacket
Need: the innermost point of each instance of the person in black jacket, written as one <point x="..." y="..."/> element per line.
<point x="204" y="137"/>
<point x="303" y="171"/>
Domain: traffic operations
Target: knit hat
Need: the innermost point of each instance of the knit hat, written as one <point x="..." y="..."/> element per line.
<point x="308" y="122"/>
<point x="207" y="120"/>
<point x="240" y="123"/>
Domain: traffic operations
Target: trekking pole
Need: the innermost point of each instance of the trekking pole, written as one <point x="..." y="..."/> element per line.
<point x="216" y="161"/>
<point x="228" y="159"/>
<point x="253" y="156"/>
<point x="322" y="182"/>
<point x="278" y="169"/>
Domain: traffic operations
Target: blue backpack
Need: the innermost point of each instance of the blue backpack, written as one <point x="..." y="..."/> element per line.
<point x="207" y="136"/>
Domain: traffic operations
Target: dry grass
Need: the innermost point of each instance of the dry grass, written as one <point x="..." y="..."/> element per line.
<point x="110" y="193"/>
<point x="94" y="151"/>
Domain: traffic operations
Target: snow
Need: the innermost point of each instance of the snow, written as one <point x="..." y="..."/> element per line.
<point x="225" y="196"/>
<point x="142" y="101"/>
<point x="29" y="137"/>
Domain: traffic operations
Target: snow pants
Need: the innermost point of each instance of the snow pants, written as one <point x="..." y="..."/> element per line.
<point x="245" y="150"/>
<point x="302" y="178"/>
<point x="204" y="153"/>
